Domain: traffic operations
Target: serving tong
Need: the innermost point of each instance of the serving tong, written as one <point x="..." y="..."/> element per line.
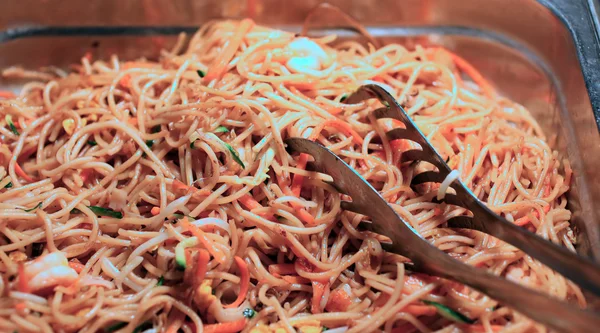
<point x="425" y="257"/>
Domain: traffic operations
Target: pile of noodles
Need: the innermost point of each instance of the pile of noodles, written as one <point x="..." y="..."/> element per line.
<point x="148" y="142"/>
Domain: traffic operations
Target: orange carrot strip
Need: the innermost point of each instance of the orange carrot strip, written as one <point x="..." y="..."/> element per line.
<point x="232" y="327"/>
<point x="318" y="292"/>
<point x="77" y="266"/>
<point x="85" y="174"/>
<point x="303" y="214"/>
<point x="218" y="69"/>
<point x="421" y="310"/>
<point x="176" y="323"/>
<point x="137" y="64"/>
<point x="22" y="173"/>
<point x="23" y="284"/>
<point x="202" y="268"/>
<point x="526" y="219"/>
<point x="295" y="279"/>
<point x="7" y="94"/>
<point x="282" y="269"/>
<point x="132" y="121"/>
<point x="345" y="128"/>
<point x="471" y="71"/>
<point x="155" y="211"/>
<point x="299" y="179"/>
<point x="244" y="282"/>
<point x="20" y="307"/>
<point x="250" y="203"/>
<point x="207" y="243"/>
<point x="125" y="81"/>
<point x="339" y="301"/>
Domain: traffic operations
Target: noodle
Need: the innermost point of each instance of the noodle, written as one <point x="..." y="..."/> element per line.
<point x="118" y="175"/>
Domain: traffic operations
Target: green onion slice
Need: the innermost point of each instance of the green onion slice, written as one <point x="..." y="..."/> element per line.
<point x="450" y="314"/>
<point x="101" y="211"/>
<point x="11" y="125"/>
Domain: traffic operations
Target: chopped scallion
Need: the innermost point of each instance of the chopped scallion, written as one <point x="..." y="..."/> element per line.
<point x="115" y="327"/>
<point x="450" y="314"/>
<point x="34" y="208"/>
<point x="37" y="249"/>
<point x="11" y="125"/>
<point x="221" y="129"/>
<point x="200" y="73"/>
<point x="249" y="313"/>
<point x="92" y="143"/>
<point x="235" y="155"/>
<point x="149" y="143"/>
<point x="101" y="211"/>
<point x="180" y="251"/>
<point x="161" y="281"/>
<point x="9" y="185"/>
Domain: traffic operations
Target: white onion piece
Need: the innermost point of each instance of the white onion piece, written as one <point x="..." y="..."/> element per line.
<point x="118" y="199"/>
<point x="342" y="329"/>
<point x="452" y="176"/>
<point x="213" y="221"/>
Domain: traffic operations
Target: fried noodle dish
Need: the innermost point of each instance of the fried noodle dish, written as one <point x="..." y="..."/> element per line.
<point x="158" y="196"/>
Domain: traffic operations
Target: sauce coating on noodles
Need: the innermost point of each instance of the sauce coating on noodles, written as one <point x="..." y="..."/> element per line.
<point x="157" y="196"/>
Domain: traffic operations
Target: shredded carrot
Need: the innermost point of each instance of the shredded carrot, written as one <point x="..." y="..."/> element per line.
<point x="339" y="301"/>
<point x="298" y="179"/>
<point x="175" y="323"/>
<point x="202" y="268"/>
<point x="282" y="269"/>
<point x="295" y="279"/>
<point x="421" y="310"/>
<point x="303" y="214"/>
<point x="23" y="285"/>
<point x="86" y="174"/>
<point x="178" y="185"/>
<point x="318" y="292"/>
<point x="7" y="94"/>
<point x="244" y="282"/>
<point x="207" y="243"/>
<point x="22" y="173"/>
<point x="250" y="203"/>
<point x="125" y="81"/>
<point x="232" y="327"/>
<point x="77" y="266"/>
<point x="471" y="71"/>
<point x="217" y="70"/>
<point x="132" y="121"/>
<point x="345" y="128"/>
<point x="155" y="211"/>
<point x="137" y="64"/>
<point x="526" y="219"/>
<point x="20" y="307"/>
